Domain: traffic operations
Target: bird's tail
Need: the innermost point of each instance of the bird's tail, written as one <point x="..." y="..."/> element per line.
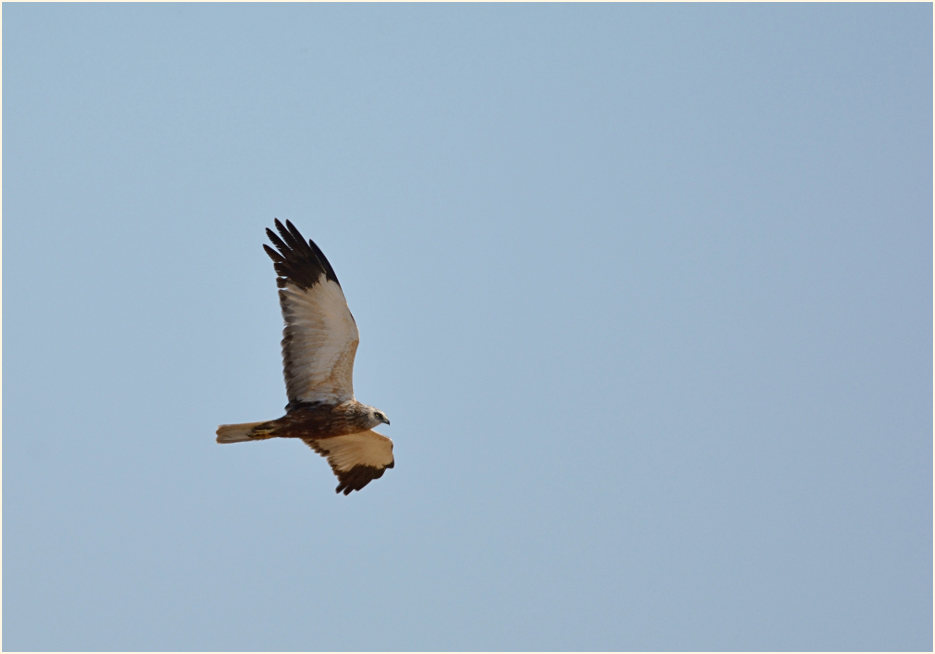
<point x="247" y="431"/>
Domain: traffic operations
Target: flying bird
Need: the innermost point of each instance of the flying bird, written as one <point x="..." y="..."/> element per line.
<point x="318" y="346"/>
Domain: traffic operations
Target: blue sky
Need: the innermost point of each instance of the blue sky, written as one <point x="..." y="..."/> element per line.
<point x="646" y="291"/>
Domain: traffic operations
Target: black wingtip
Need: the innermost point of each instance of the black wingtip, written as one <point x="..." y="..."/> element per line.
<point x="273" y="254"/>
<point x="358" y="477"/>
<point x="298" y="260"/>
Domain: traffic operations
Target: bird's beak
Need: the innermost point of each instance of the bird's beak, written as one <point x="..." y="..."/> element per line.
<point x="387" y="421"/>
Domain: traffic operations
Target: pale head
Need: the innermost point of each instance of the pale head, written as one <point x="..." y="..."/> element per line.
<point x="361" y="415"/>
<point x="378" y="416"/>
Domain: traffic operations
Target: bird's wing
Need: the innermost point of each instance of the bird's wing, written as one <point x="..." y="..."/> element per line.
<point x="356" y="459"/>
<point x="320" y="337"/>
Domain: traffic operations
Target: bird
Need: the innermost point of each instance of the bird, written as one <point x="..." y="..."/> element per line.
<point x="319" y="342"/>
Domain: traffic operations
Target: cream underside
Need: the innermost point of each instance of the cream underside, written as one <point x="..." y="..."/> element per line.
<point x="363" y="448"/>
<point x="324" y="341"/>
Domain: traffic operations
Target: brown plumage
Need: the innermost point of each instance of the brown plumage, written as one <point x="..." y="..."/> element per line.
<point x="318" y="347"/>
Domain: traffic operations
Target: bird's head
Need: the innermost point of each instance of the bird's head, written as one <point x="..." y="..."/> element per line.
<point x="378" y="416"/>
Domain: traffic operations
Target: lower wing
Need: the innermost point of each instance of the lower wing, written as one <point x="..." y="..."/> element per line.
<point x="356" y="459"/>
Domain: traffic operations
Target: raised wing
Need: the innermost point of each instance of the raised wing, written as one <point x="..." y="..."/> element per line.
<point x="320" y="337"/>
<point x="356" y="459"/>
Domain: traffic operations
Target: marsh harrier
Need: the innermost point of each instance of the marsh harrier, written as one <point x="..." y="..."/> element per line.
<point x="318" y="346"/>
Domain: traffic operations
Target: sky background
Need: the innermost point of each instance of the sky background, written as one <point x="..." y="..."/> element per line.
<point x="646" y="292"/>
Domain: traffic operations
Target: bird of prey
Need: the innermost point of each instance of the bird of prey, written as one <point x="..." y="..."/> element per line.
<point x="318" y="346"/>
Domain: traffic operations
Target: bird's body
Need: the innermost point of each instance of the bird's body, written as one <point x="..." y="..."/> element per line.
<point x="309" y="421"/>
<point x="319" y="343"/>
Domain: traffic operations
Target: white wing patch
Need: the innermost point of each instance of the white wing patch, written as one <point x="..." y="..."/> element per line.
<point x="319" y="343"/>
<point x="356" y="459"/>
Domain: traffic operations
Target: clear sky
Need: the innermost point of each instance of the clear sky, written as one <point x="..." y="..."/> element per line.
<point x="646" y="291"/>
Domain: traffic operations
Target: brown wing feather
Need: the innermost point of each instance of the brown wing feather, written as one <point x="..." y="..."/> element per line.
<point x="356" y="459"/>
<point x="320" y="337"/>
